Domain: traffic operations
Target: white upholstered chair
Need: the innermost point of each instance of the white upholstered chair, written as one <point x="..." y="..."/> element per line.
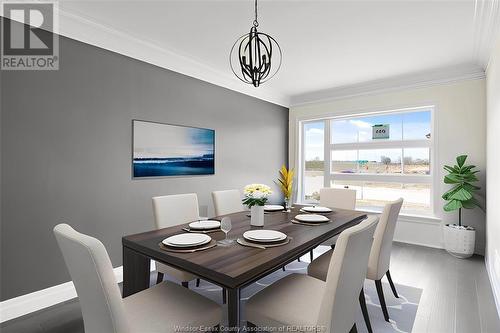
<point x="341" y="198"/>
<point x="301" y="300"/>
<point x="380" y="256"/>
<point x="172" y="210"/>
<point x="154" y="310"/>
<point x="227" y="202"/>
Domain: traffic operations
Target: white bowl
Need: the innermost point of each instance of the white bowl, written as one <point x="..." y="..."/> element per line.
<point x="317" y="209"/>
<point x="273" y="208"/>
<point x="204" y="225"/>
<point x="187" y="240"/>
<point x="264" y="235"/>
<point x="311" y="218"/>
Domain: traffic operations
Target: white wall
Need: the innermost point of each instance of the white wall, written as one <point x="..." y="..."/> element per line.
<point x="460" y="113"/>
<point x="493" y="180"/>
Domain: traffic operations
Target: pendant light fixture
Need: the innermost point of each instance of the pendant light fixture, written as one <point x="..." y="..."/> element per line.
<point x="255" y="57"/>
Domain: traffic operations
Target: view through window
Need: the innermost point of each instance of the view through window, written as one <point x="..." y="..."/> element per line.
<point x="382" y="166"/>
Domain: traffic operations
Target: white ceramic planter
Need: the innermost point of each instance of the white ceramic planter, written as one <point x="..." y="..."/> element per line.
<point x="257" y="216"/>
<point x="459" y="242"/>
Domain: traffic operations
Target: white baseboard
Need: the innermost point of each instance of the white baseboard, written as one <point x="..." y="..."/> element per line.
<point x="22" y="305"/>
<point x="494" y="279"/>
<point x="25" y="304"/>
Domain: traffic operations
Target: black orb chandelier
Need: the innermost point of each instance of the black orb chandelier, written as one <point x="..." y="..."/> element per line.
<point x="255" y="57"/>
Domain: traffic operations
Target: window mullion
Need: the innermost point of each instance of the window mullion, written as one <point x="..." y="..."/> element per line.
<point x="327" y="155"/>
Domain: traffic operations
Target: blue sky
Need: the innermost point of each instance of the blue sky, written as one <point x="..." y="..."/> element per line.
<point x="407" y="126"/>
<point x="154" y="140"/>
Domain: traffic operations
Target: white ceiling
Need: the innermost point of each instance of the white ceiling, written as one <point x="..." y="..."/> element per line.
<point x="326" y="44"/>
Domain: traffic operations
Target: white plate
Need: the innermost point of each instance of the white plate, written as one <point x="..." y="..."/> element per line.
<point x="311" y="218"/>
<point x="273" y="208"/>
<point x="187" y="240"/>
<point x="264" y="235"/>
<point x="204" y="225"/>
<point x="317" y="209"/>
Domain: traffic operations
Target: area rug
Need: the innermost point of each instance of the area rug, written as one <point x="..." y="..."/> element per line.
<point x="402" y="310"/>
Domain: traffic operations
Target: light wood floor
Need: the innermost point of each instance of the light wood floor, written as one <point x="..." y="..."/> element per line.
<point x="456" y="296"/>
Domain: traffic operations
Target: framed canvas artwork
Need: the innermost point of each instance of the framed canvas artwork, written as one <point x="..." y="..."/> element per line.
<point x="161" y="150"/>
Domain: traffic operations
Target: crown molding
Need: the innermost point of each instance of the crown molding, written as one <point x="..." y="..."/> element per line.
<point x="486" y="33"/>
<point x="408" y="81"/>
<point x="486" y="30"/>
<point x="78" y="27"/>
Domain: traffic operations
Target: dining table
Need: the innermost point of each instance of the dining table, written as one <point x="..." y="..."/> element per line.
<point x="235" y="266"/>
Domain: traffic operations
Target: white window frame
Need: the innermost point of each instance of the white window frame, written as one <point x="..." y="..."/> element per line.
<point x="368" y="177"/>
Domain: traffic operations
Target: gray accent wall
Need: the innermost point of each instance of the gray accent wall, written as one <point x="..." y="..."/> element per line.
<point x="66" y="153"/>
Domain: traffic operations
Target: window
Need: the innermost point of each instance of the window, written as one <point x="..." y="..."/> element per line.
<point x="395" y="164"/>
<point x="314" y="152"/>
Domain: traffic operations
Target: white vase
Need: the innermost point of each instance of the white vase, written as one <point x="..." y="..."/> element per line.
<point x="257" y="216"/>
<point x="459" y="242"/>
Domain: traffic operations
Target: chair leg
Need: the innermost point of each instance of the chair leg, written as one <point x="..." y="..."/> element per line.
<point x="332" y="246"/>
<point x="380" y="293"/>
<point x="311" y="255"/>
<point x="224" y="295"/>
<point x="393" y="287"/>
<point x="185" y="284"/>
<point x="298" y="259"/>
<point x="353" y="329"/>
<point x="283" y="268"/>
<point x="197" y="283"/>
<point x="159" y="277"/>
<point x="364" y="310"/>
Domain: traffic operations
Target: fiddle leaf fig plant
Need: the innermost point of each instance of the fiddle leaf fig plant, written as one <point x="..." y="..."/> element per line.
<point x="461" y="195"/>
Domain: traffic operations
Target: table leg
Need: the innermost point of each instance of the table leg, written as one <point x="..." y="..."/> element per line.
<point x="135" y="272"/>
<point x="233" y="308"/>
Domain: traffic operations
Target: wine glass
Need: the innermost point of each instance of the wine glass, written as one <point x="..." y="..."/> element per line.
<point x="225" y="226"/>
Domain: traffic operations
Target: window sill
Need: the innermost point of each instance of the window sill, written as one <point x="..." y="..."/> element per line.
<point x="429" y="219"/>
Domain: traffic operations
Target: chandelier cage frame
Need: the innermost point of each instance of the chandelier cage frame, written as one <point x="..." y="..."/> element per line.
<point x="255" y="51"/>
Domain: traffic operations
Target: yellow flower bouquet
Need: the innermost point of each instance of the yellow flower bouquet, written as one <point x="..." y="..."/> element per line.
<point x="285" y="183"/>
<point x="256" y="194"/>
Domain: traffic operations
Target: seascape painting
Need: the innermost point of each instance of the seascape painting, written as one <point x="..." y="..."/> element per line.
<point x="161" y="150"/>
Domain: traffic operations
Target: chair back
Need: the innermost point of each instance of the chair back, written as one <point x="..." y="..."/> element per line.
<point x="227" y="202"/>
<point x="342" y="198"/>
<point x="90" y="268"/>
<point x="171" y="210"/>
<point x="345" y="278"/>
<point x="380" y="255"/>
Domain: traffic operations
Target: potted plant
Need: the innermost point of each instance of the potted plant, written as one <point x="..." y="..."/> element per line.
<point x="255" y="198"/>
<point x="459" y="239"/>
<point x="285" y="183"/>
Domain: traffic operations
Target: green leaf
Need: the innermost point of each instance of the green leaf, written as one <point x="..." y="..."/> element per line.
<point x="449" y="168"/>
<point x="452" y="179"/>
<point x="470" y="178"/>
<point x="447" y="194"/>
<point x="461" y="194"/>
<point x="469" y="204"/>
<point x="453" y="205"/>
<point x="467" y="168"/>
<point x="461" y="160"/>
<point x="471" y="188"/>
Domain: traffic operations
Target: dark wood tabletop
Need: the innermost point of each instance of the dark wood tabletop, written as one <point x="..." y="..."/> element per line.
<point x="235" y="266"/>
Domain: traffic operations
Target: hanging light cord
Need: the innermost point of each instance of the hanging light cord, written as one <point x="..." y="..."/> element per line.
<point x="255" y="22"/>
